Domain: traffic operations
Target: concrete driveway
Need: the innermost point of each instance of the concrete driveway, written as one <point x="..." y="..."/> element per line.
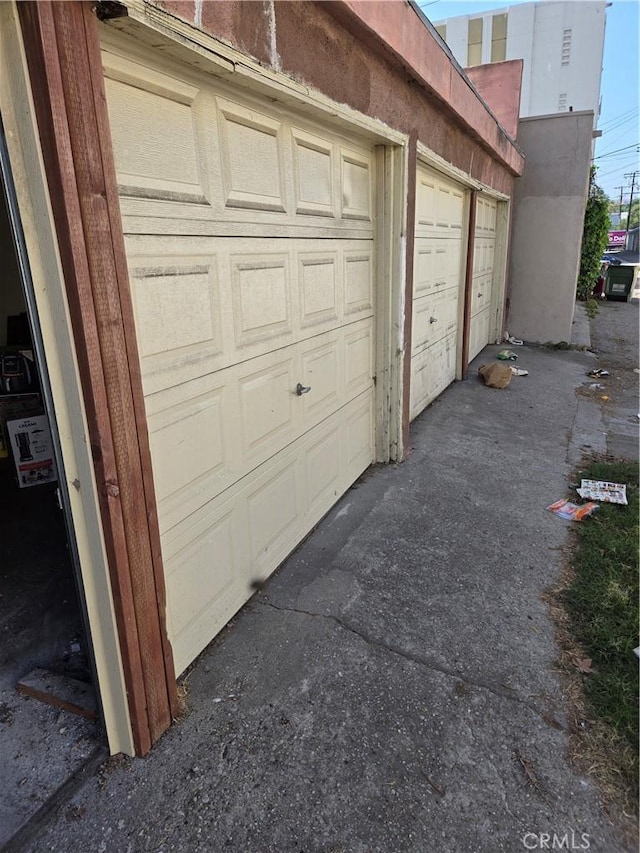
<point x="392" y="687"/>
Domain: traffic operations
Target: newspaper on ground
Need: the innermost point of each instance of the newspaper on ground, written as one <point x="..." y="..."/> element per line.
<point x="599" y="490"/>
<point x="572" y="512"/>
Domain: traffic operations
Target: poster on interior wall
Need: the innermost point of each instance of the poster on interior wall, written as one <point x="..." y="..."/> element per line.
<point x="32" y="448"/>
<point x="13" y="406"/>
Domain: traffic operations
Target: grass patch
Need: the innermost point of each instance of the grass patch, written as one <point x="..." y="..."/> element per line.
<point x="591" y="307"/>
<point x="602" y="605"/>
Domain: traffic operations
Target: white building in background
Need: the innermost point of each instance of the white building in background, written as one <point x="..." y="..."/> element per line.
<point x="561" y="44"/>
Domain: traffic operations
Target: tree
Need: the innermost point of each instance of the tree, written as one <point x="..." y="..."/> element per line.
<point x="594" y="237"/>
<point x="634" y="214"/>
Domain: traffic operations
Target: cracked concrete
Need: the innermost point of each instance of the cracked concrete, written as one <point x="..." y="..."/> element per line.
<point x="392" y="688"/>
<point x="504" y="691"/>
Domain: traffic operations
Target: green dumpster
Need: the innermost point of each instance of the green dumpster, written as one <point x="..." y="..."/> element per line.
<point x="619" y="282"/>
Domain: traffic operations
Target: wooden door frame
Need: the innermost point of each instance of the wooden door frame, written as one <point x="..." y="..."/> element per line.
<point x="410" y="231"/>
<point x="500" y="266"/>
<point x="468" y="282"/>
<point x="65" y="68"/>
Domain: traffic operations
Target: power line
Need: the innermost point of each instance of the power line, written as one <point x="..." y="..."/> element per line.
<point x="617" y="171"/>
<point x="618" y="151"/>
<point x="618" y="125"/>
<point x="621" y="115"/>
<point x="609" y="142"/>
<point x="614" y="162"/>
<point x="620" y="161"/>
<point x="614" y="123"/>
<point x="611" y="153"/>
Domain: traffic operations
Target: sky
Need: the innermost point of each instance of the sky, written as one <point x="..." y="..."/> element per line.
<point x="620" y="76"/>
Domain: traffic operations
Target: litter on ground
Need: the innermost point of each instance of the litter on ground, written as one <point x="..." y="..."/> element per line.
<point x="495" y="375"/>
<point x="600" y="371"/>
<point x="515" y="342"/>
<point x="600" y="490"/>
<point x="507" y="355"/>
<point x="519" y="371"/>
<point x="572" y="512"/>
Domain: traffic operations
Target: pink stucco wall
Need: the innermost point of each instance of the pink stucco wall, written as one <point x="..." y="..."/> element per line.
<point x="500" y="85"/>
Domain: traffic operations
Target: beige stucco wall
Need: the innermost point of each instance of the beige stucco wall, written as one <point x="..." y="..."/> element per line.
<point x="548" y="212"/>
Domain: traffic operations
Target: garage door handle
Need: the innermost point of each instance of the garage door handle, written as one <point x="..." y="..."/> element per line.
<point x="432" y="320"/>
<point x="439" y="283"/>
<point x="302" y="389"/>
<point x="479" y="295"/>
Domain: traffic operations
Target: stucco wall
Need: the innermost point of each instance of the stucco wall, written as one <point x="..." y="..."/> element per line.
<point x="547" y="219"/>
<point x="380" y="59"/>
<point x="500" y="83"/>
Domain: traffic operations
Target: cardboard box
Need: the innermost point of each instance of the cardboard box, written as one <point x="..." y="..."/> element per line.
<point x="30" y="440"/>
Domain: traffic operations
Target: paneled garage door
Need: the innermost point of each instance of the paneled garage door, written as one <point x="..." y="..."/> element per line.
<point x="249" y="233"/>
<point x="438" y="278"/>
<point x="483" y="262"/>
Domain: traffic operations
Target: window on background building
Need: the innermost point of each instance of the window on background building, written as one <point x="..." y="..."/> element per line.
<point x="499" y="38"/>
<point x="442" y="31"/>
<point x="562" y="102"/>
<point x="474" y="42"/>
<point x="566" y="46"/>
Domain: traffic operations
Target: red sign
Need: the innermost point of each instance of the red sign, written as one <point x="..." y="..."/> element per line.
<point x="617" y="239"/>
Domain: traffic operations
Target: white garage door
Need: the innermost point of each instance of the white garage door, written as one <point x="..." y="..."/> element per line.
<point x="249" y="233"/>
<point x="482" y="287"/>
<point x="438" y="277"/>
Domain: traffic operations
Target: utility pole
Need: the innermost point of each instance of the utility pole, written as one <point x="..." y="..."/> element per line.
<point x="620" y="207"/>
<point x="633" y="186"/>
<point x="621" y="192"/>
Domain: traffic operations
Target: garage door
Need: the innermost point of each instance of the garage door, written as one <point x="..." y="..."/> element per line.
<point x="249" y="234"/>
<point x="438" y="278"/>
<point x="482" y="288"/>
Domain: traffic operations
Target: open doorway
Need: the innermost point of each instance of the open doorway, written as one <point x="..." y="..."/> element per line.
<point x="49" y="719"/>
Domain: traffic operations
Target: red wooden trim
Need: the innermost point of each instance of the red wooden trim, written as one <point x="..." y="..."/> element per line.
<point x="65" y="67"/>
<point x="131" y="343"/>
<point x="468" y="282"/>
<point x="412" y="174"/>
<point x="39" y="37"/>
